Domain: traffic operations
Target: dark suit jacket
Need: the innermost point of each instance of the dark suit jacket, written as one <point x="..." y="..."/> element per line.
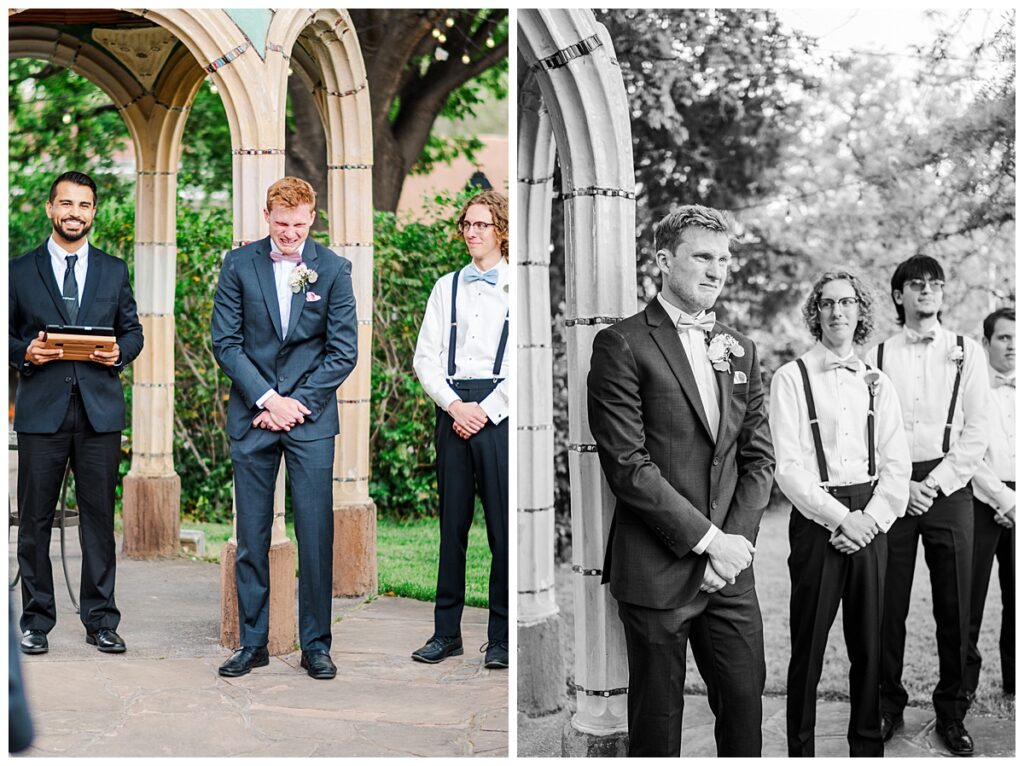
<point x="36" y="301"/>
<point x="309" y="364"/>
<point x="671" y="480"/>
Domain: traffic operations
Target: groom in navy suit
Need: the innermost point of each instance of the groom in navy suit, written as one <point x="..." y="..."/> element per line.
<point x="284" y="331"/>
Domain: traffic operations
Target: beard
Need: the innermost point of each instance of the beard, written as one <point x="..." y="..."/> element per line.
<point x="59" y="228"/>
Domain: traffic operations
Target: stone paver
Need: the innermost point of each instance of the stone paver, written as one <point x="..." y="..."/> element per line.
<point x="163" y="697"/>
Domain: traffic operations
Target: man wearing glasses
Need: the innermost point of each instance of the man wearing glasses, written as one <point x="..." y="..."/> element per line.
<point x="842" y="460"/>
<point x="462" y="362"/>
<point x="942" y="384"/>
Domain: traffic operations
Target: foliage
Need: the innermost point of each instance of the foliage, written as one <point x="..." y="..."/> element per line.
<point x="409" y="258"/>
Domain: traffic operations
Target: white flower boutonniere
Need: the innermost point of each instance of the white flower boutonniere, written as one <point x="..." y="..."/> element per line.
<point x="956" y="356"/>
<point x="722" y="348"/>
<point x="872" y="378"/>
<point x="301" y="278"/>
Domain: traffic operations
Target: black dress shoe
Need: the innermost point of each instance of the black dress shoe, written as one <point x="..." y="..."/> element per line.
<point x="244" y="660"/>
<point x="318" y="664"/>
<point x="438" y="648"/>
<point x="106" y="640"/>
<point x="890" y="723"/>
<point x="955" y="737"/>
<point x="34" y="642"/>
<point x="496" y="654"/>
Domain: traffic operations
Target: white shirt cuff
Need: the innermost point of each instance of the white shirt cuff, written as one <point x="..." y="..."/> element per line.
<point x="263" y="399"/>
<point x="705" y="541"/>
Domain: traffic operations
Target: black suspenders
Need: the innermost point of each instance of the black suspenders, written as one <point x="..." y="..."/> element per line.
<point x="498" y="358"/>
<point x="948" y="432"/>
<point x="819" y="448"/>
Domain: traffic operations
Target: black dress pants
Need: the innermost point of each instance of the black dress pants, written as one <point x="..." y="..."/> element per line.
<point x="991" y="542"/>
<point x="821" y="577"/>
<point x="466" y="467"/>
<point x="947" y="532"/>
<point x="42" y="459"/>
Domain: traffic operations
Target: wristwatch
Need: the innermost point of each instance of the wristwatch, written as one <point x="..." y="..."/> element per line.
<point x="929" y="481"/>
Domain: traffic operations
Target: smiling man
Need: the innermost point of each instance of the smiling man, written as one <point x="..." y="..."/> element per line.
<point x="676" y="407"/>
<point x="69" y="411"/>
<point x="284" y="332"/>
<point x="943" y="389"/>
<point x="462" y="362"/>
<point x="842" y="460"/>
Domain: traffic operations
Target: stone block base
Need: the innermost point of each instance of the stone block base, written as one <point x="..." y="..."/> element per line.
<point x="355" y="550"/>
<point x="283" y="635"/>
<point x="540" y="671"/>
<point x="578" y="744"/>
<point x="150" y="512"/>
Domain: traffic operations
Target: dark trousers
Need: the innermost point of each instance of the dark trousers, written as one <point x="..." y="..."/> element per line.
<point x="822" y="577"/>
<point x="947" y="532"/>
<point x="466" y="467"/>
<point x="309" y="465"/>
<point x="42" y="459"/>
<point x="727" y="636"/>
<point x="991" y="541"/>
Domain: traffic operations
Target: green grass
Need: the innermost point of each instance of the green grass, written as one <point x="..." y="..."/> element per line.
<point x="406" y="556"/>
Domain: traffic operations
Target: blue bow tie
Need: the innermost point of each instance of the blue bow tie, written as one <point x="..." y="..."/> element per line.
<point x="490" y="277"/>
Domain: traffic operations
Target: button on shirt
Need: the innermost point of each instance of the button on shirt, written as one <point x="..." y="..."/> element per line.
<point x="923" y="376"/>
<point x="58" y="261"/>
<point x="480" y="314"/>
<point x="841" y="401"/>
<point x="1000" y="459"/>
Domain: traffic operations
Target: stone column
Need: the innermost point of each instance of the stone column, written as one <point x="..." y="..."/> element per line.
<point x="540" y="672"/>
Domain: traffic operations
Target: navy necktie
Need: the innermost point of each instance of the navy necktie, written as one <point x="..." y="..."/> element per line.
<point x="71" y="289"/>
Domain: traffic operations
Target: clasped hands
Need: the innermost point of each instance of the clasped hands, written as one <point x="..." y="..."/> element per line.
<point x="728" y="555"/>
<point x="469" y="417"/>
<point x="38" y="354"/>
<point x="280" y="413"/>
<point x="857" y="530"/>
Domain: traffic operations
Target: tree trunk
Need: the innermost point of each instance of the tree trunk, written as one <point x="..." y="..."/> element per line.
<point x="306" y="144"/>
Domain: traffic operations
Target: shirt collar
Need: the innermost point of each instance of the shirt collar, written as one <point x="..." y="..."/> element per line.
<point x="674" y="312"/>
<point x="56" y="250"/>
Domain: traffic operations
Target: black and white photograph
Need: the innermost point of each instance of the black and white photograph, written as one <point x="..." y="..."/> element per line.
<point x="765" y="428"/>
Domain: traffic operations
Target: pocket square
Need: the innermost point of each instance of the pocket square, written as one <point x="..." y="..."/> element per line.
<point x="739" y="376"/>
<point x="312" y="297"/>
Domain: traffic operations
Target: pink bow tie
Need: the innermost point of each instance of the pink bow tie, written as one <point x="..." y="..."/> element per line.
<point x="705" y="322"/>
<point x="276" y="256"/>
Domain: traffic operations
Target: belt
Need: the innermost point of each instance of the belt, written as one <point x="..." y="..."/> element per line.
<point x="851" y="490"/>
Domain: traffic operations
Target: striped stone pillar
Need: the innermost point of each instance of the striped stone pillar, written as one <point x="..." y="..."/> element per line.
<point x="541" y="670"/>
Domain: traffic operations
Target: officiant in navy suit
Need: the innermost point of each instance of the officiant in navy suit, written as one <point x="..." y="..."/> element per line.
<point x="284" y="331"/>
<point x="69" y="411"/>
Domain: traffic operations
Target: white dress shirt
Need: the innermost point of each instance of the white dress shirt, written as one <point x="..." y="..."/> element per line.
<point x="480" y="316"/>
<point x="282" y="272"/>
<point x="1001" y="457"/>
<point x="841" y="400"/>
<point x="58" y="261"/>
<point x="923" y="376"/>
<point x="693" y="341"/>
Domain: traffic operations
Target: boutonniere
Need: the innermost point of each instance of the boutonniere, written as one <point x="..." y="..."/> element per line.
<point x="301" y="278"/>
<point x="722" y="348"/>
<point x="956" y="356"/>
<point x="872" y="378"/>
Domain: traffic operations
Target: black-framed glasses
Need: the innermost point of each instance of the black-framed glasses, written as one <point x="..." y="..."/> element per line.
<point x="478" y="226"/>
<point x="828" y="304"/>
<point x="917" y="285"/>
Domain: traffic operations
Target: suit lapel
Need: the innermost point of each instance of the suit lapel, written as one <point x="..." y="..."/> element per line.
<point x="265" y="277"/>
<point x="299" y="298"/>
<point x="725" y="384"/>
<point x="667" y="339"/>
<point x="93" y="278"/>
<point x="46" y="274"/>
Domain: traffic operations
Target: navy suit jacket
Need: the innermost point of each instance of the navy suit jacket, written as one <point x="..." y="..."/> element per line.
<point x="310" y="363"/>
<point x="671" y="479"/>
<point x="36" y="301"/>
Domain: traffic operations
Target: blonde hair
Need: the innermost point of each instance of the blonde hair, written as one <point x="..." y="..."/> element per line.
<point x="497" y="203"/>
<point x="290" y="192"/>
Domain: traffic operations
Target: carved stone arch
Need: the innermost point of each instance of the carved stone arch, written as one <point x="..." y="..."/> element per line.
<point x="573" y="90"/>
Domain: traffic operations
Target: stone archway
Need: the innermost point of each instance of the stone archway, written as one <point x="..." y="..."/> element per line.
<point x="572" y="94"/>
<point x="138" y="61"/>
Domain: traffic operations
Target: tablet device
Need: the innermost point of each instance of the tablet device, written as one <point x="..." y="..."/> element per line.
<point x="79" y="341"/>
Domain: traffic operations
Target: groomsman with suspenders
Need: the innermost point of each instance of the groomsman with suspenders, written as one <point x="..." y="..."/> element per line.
<point x="842" y="459"/>
<point x="941" y="382"/>
<point x="462" y="362"/>
<point x="995" y="501"/>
